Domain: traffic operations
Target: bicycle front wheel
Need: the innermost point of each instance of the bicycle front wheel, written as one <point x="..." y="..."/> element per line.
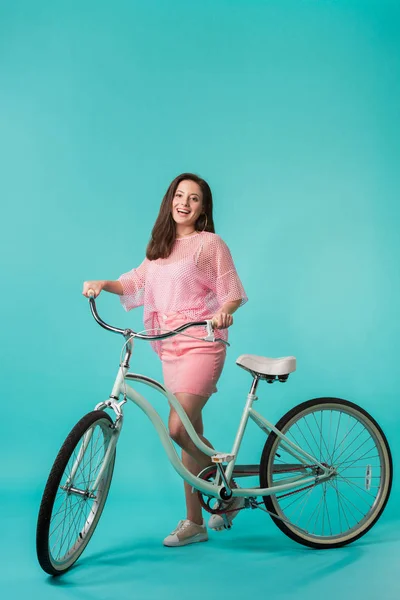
<point x="341" y="435"/>
<point x="70" y="510"/>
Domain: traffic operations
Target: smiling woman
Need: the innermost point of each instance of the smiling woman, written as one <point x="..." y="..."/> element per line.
<point x="186" y="208"/>
<point x="188" y="275"/>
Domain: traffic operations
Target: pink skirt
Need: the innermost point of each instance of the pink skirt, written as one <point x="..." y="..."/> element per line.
<point x="190" y="366"/>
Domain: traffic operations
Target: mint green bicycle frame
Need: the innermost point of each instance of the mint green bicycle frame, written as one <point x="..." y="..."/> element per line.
<point x="121" y="388"/>
<point x="220" y="488"/>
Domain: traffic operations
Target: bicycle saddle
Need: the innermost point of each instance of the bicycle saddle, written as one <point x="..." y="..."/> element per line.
<point x="267" y="368"/>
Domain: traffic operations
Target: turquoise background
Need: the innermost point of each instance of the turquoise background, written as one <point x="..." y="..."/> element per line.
<point x="290" y="110"/>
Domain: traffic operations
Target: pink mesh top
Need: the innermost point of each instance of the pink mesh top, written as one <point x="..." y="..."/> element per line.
<point x="196" y="279"/>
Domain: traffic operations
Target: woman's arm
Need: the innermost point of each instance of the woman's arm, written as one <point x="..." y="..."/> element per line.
<point x="223" y="318"/>
<point x="115" y="287"/>
<point x="225" y="282"/>
<point x="129" y="286"/>
<point x="132" y="286"/>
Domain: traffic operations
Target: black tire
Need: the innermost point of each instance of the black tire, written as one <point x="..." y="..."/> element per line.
<point x="81" y="536"/>
<point x="272" y="462"/>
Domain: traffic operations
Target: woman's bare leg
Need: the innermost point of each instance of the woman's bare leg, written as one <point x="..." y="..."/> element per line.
<point x="193" y="459"/>
<point x="193" y="506"/>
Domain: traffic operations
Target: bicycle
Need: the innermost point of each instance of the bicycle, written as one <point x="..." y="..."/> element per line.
<point x="296" y="483"/>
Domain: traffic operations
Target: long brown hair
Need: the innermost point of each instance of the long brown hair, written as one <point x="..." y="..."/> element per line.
<point x="163" y="234"/>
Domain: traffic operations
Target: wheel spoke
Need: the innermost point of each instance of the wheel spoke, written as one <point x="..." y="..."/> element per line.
<point x="319" y="507"/>
<point x="312" y="435"/>
<point x="336" y="460"/>
<point x="354" y="461"/>
<point x="349" y="502"/>
<point x="73" y="515"/>
<point x="61" y="533"/>
<point x="356" y="488"/>
<point x="336" y="436"/>
<point x="346" y="440"/>
<point x="296" y="497"/>
<point x="346" y="435"/>
<point x="320" y="436"/>
<point x="340" y="505"/>
<point x="304" y="500"/>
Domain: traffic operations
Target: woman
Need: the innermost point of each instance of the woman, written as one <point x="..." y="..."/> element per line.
<point x="188" y="275"/>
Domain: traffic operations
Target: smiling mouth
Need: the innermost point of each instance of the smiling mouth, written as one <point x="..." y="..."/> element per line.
<point x="182" y="212"/>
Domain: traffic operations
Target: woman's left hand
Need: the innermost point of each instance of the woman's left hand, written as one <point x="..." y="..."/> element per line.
<point x="222" y="320"/>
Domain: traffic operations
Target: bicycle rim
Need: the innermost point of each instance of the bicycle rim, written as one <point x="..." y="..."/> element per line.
<point x="75" y="511"/>
<point x="338" y="511"/>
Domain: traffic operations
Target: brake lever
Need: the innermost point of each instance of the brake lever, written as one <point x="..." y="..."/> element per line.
<point x="210" y="337"/>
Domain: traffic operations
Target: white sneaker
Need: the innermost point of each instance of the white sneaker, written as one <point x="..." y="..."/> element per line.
<point x="187" y="532"/>
<point x="216" y="522"/>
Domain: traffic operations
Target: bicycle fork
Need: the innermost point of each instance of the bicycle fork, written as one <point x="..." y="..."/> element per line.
<point x="116" y="430"/>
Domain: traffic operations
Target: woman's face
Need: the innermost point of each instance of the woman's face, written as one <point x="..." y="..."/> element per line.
<point x="187" y="203"/>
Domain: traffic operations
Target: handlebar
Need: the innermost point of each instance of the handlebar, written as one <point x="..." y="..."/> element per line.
<point x="127" y="333"/>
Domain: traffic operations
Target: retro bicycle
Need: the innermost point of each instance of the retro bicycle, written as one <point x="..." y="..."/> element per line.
<point x="325" y="470"/>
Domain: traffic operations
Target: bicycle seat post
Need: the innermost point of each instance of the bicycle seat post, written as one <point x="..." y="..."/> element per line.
<point x="254" y="385"/>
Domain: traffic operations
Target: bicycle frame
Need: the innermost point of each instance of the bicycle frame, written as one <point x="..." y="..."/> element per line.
<point x="216" y="490"/>
<point x="210" y="489"/>
<point x="334" y="429"/>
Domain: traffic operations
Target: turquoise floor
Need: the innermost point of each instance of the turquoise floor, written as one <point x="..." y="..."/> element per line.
<point x="126" y="559"/>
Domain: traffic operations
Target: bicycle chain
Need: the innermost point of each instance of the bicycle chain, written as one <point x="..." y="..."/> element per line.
<point x="254" y="504"/>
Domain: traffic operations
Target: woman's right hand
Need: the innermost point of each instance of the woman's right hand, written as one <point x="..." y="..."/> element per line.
<point x="94" y="286"/>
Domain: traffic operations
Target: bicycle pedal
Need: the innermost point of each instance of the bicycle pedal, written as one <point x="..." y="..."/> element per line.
<point x="221" y="458"/>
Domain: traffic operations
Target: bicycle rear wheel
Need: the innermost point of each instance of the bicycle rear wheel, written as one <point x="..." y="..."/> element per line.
<point x="340" y="510"/>
<point x="69" y="512"/>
